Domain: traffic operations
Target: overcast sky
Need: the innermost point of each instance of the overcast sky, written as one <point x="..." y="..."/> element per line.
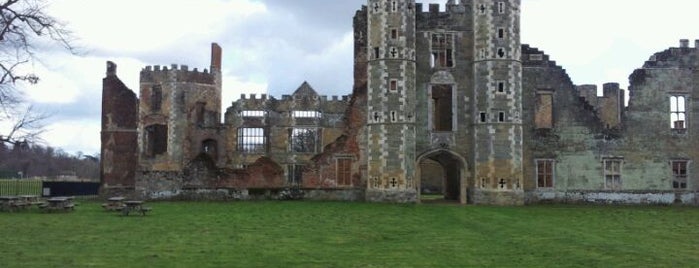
<point x="272" y="46"/>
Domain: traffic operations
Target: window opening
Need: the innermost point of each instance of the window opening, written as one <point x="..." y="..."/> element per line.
<point x="442" y="108"/>
<point x="501" y="33"/>
<point x="543" y="117"/>
<point x="376" y="52"/>
<point x="303" y="140"/>
<point x="156" y="98"/>
<point x="442" y="50"/>
<point x="501" y="117"/>
<point x="253" y="113"/>
<point x="484" y="117"/>
<point x="501" y="87"/>
<point x="252" y="140"/>
<point x="295" y="174"/>
<point x="306" y="114"/>
<point x="678" y="113"/>
<point x="612" y="173"/>
<point x="394" y="34"/>
<point x="344" y="170"/>
<point x="210" y="147"/>
<point x="501" y="7"/>
<point x="544" y="173"/>
<point x="679" y="174"/>
<point x="393" y="85"/>
<point x="156" y="140"/>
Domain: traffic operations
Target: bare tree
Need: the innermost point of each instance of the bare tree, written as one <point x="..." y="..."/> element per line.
<point x="24" y="26"/>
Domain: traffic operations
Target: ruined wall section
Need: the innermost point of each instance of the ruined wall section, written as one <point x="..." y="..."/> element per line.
<point x="119" y="136"/>
<point x="278" y="118"/>
<point x="609" y="107"/>
<point x="580" y="141"/>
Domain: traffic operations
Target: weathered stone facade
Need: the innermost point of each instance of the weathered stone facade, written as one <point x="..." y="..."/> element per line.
<point x="443" y="101"/>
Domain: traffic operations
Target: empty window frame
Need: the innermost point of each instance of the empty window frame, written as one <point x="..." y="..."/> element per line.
<point x="156" y="140"/>
<point x="442" y="50"/>
<point x="252" y="140"/>
<point x="442" y="114"/>
<point x="612" y="173"/>
<point x="544" y="173"/>
<point x="678" y="113"/>
<point x="500" y="87"/>
<point x="303" y="140"/>
<point x="484" y="117"/>
<point x="253" y="113"/>
<point x="294" y="174"/>
<point x="679" y="174"/>
<point x="344" y="172"/>
<point x="501" y="117"/>
<point x="156" y="98"/>
<point x="306" y="114"/>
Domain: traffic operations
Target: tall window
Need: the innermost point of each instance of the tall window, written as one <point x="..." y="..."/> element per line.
<point x="442" y="108"/>
<point x="612" y="173"/>
<point x="156" y="98"/>
<point x="543" y="115"/>
<point x="679" y="174"/>
<point x="252" y="140"/>
<point x="294" y="174"/>
<point x="344" y="170"/>
<point x="544" y="173"/>
<point x="303" y="140"/>
<point x="678" y="113"/>
<point x="442" y="50"/>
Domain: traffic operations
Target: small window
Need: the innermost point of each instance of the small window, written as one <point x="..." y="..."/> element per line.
<point x="210" y="147"/>
<point x="394" y="34"/>
<point x="394" y="117"/>
<point x="484" y="117"/>
<point x="501" y="33"/>
<point x="252" y="140"/>
<point x="377" y="52"/>
<point x="679" y="174"/>
<point x="501" y="87"/>
<point x="612" y="173"/>
<point x="501" y="53"/>
<point x="544" y="173"/>
<point x="678" y="113"/>
<point x="501" y="7"/>
<point x="393" y="86"/>
<point x="394" y="6"/>
<point x="501" y="117"/>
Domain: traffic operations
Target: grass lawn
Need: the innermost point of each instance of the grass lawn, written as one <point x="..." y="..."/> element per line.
<point x="315" y="234"/>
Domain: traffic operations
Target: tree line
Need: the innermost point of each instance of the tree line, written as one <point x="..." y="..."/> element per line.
<point x="26" y="160"/>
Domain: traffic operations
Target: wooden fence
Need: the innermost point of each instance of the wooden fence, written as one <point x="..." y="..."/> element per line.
<point x="21" y="187"/>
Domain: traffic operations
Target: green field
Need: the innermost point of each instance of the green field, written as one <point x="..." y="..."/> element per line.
<point x="314" y="234"/>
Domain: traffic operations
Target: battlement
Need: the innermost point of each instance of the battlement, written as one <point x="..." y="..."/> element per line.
<point x="451" y="6"/>
<point x="323" y="98"/>
<point x="180" y="73"/>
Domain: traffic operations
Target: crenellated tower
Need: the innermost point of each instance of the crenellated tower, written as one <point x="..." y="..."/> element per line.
<point x="391" y="100"/>
<point x="179" y="112"/>
<point x="497" y="102"/>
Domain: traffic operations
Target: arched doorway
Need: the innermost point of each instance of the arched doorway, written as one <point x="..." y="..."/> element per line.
<point x="442" y="176"/>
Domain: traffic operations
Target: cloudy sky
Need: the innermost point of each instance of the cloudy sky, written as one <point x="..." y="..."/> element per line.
<point x="272" y="46"/>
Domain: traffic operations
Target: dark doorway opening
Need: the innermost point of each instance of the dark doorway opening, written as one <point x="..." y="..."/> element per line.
<point x="440" y="178"/>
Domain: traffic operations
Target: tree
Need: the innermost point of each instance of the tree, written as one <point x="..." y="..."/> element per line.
<point x="24" y="25"/>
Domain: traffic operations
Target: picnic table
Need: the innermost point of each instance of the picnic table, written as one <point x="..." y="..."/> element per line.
<point x="114" y="203"/>
<point x="8" y="203"/>
<point x="134" y="206"/>
<point x="58" y="204"/>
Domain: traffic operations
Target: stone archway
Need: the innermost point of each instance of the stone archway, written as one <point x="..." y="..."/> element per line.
<point x="444" y="168"/>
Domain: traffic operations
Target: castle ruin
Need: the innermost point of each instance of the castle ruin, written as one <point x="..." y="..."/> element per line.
<point x="443" y="101"/>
